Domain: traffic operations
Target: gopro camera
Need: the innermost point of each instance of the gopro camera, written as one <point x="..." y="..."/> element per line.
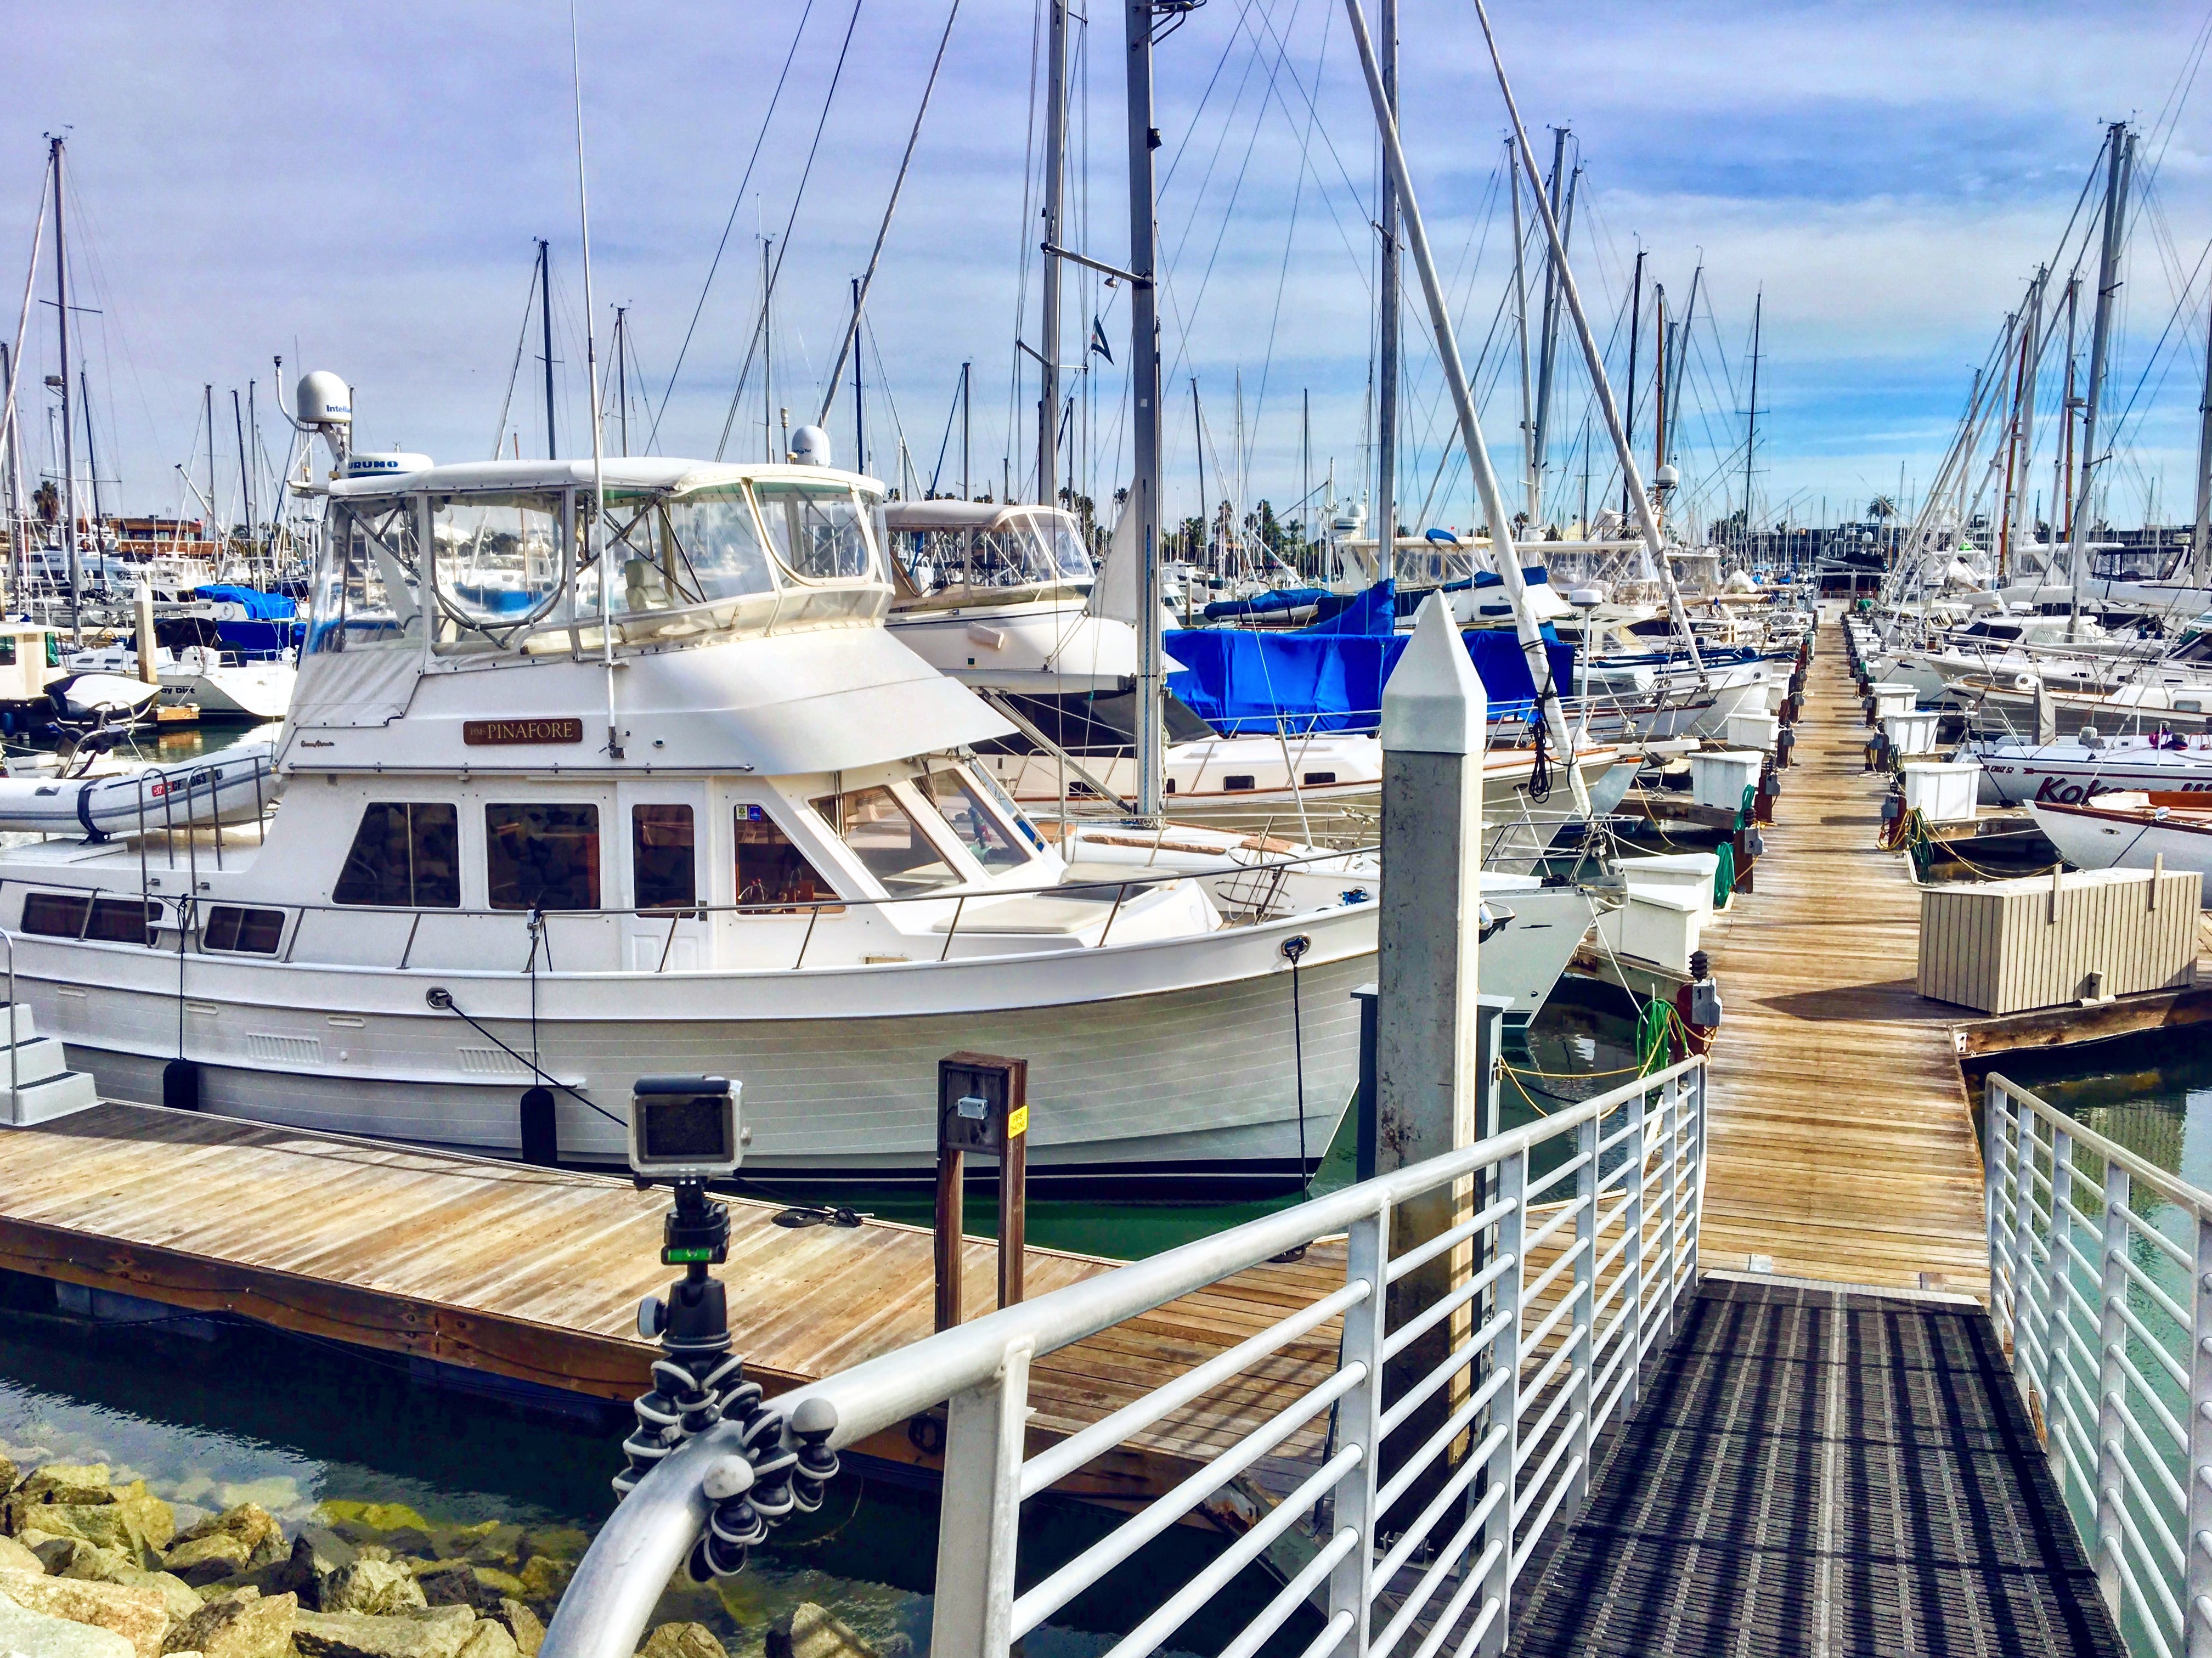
<point x="684" y="1128"/>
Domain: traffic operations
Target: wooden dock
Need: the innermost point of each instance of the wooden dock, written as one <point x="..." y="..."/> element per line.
<point x="1842" y="1147"/>
<point x="535" y="1274"/>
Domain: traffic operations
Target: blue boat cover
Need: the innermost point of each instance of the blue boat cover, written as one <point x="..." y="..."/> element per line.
<point x="1329" y="678"/>
<point x="259" y="606"/>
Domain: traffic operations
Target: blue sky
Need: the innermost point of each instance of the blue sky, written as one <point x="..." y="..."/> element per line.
<point x="360" y="189"/>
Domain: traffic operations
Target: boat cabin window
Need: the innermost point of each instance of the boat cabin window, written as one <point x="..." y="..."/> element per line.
<point x="405" y="855"/>
<point x="542" y="856"/>
<point x="771" y="869"/>
<point x="498" y="565"/>
<point x="664" y="874"/>
<point x="366" y="591"/>
<point x="56" y="914"/>
<point x="989" y="841"/>
<point x="883" y="834"/>
<point x="816" y="530"/>
<point x="247" y="931"/>
<point x="80" y="916"/>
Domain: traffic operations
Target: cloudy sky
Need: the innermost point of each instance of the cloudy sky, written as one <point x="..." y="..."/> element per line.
<point x="361" y="188"/>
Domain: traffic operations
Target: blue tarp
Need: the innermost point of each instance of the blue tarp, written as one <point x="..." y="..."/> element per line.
<point x="272" y="622"/>
<point x="259" y="606"/>
<point x="1329" y="678"/>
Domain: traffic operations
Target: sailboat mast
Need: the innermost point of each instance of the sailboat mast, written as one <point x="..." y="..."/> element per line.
<point x="2030" y="366"/>
<point x="1056" y="172"/>
<point x="621" y="375"/>
<point x="1144" y="397"/>
<point x="1521" y="329"/>
<point x="2120" y="162"/>
<point x="1548" y="345"/>
<point x="91" y="454"/>
<point x="1751" y="419"/>
<point x="2061" y="461"/>
<point x="1203" y="553"/>
<point x="69" y="448"/>
<point x="1674" y="395"/>
<point x="860" y="424"/>
<point x="546" y="320"/>
<point x="1661" y="330"/>
<point x="768" y="365"/>
<point x="1305" y="475"/>
<point x="1392" y="302"/>
<point x="1635" y="329"/>
<point x="2200" y="545"/>
<point x="966" y="492"/>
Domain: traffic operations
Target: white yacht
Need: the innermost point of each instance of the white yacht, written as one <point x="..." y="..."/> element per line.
<point x="526" y="826"/>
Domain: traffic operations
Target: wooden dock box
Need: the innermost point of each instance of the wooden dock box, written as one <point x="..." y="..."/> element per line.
<point x="2008" y="946"/>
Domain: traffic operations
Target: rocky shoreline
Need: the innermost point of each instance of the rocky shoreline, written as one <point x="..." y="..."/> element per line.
<point x="93" y="1569"/>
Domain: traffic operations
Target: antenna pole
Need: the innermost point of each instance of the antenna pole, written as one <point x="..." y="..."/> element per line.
<point x="967" y="493"/>
<point x="622" y="373"/>
<point x="1635" y="334"/>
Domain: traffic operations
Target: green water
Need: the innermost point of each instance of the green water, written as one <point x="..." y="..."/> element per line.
<point x="213" y="1415"/>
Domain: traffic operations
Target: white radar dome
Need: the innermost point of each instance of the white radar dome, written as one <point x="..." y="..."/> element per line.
<point x="1666" y="478"/>
<point x="323" y="399"/>
<point x="810" y="447"/>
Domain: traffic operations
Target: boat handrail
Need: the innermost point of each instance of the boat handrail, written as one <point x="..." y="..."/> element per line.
<point x="810" y="908"/>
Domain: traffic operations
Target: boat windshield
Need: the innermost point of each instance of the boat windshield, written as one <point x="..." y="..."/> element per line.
<point x="888" y="840"/>
<point x="497" y="564"/>
<point x="366" y="591"/>
<point x="817" y="529"/>
<point x="1020" y="550"/>
<point x="675" y="554"/>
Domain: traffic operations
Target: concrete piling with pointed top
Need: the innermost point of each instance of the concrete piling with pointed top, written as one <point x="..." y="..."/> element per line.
<point x="1427" y="1063"/>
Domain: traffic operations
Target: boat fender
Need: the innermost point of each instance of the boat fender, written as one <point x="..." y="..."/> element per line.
<point x="541" y="1132"/>
<point x="180" y="1085"/>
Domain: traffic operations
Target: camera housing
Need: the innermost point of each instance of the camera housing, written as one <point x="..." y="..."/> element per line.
<point x="685" y="1129"/>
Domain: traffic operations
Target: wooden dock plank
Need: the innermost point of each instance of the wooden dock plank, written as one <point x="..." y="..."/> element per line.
<point x="1840" y="1142"/>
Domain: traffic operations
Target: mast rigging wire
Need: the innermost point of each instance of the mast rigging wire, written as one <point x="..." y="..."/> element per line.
<point x="737" y="202"/>
<point x="875" y="253"/>
<point x="798" y="196"/>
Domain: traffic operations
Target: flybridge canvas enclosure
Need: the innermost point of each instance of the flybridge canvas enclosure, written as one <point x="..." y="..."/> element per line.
<point x="453" y="595"/>
<point x="956" y="552"/>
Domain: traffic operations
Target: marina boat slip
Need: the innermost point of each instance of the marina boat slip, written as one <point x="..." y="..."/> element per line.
<point x="541" y="826"/>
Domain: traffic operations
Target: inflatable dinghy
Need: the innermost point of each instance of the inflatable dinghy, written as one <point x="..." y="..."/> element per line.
<point x="233" y="786"/>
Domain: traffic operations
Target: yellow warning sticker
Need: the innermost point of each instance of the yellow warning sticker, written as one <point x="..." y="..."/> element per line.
<point x="1018" y="1124"/>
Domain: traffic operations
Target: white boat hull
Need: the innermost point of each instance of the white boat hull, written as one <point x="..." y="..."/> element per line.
<point x="2089" y="839"/>
<point x="1172" y="1062"/>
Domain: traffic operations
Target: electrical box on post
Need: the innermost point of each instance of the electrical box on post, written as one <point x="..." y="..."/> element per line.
<point x="982" y="1107"/>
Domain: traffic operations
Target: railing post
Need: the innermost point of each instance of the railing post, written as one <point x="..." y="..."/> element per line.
<point x="2112" y="1380"/>
<point x="979" y="1517"/>
<point x="1581" y="1322"/>
<point x="2022" y="1262"/>
<point x="2059" y="1315"/>
<point x="1505" y="1360"/>
<point x="2197" y="1537"/>
<point x="1670" y="1219"/>
<point x="1631" y="1258"/>
<point x="1358" y="1419"/>
<point x="1993" y="1168"/>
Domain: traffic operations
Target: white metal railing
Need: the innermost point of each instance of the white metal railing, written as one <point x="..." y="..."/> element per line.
<point x="2100" y="1280"/>
<point x="1501" y="1334"/>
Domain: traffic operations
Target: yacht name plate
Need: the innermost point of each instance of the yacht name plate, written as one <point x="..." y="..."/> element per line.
<point x="507" y="733"/>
